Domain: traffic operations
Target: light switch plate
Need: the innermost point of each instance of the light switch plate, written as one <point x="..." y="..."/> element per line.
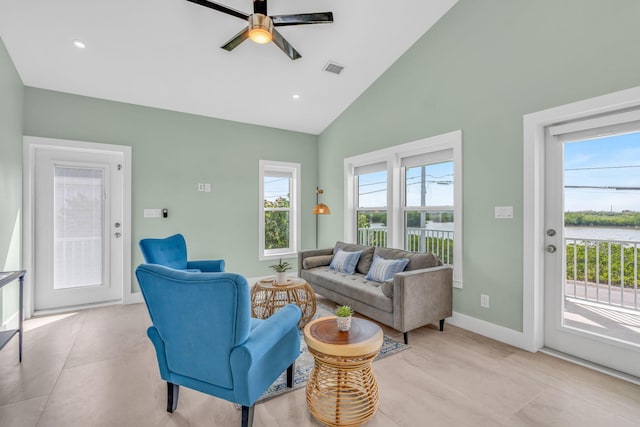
<point x="153" y="213"/>
<point x="503" y="212"/>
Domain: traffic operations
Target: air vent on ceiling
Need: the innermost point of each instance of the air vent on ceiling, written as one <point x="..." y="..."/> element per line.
<point x="334" y="68"/>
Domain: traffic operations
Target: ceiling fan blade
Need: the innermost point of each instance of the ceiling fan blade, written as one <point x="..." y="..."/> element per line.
<point x="285" y="46"/>
<point x="221" y="8"/>
<point x="302" y="19"/>
<point x="236" y="40"/>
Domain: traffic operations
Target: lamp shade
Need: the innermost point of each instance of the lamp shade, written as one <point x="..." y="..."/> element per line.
<point x="321" y="209"/>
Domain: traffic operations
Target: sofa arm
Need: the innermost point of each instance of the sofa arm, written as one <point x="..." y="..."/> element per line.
<point x="421" y="297"/>
<point x="311" y="252"/>
<point x="207" y="266"/>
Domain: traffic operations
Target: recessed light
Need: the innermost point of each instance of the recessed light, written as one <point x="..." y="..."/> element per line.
<point x="79" y="44"/>
<point x="296" y="96"/>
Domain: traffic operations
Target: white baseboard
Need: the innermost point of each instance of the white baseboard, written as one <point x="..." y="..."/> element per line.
<point x="133" y="298"/>
<point x="490" y="330"/>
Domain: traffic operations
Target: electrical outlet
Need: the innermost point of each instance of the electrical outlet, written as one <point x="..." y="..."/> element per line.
<point x="200" y="186"/>
<point x="484" y="301"/>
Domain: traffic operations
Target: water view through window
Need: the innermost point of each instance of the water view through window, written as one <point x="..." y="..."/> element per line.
<point x="602" y="234"/>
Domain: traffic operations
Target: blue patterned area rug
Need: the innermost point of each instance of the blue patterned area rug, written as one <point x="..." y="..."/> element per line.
<point x="304" y="363"/>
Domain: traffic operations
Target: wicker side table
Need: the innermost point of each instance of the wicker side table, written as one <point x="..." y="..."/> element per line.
<point x="341" y="389"/>
<point x="267" y="297"/>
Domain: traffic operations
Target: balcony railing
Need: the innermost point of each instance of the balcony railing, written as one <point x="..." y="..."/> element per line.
<point x="373" y="236"/>
<point x="603" y="271"/>
<point x="439" y="242"/>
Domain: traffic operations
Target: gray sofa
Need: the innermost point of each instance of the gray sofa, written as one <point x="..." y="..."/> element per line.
<point x="419" y="295"/>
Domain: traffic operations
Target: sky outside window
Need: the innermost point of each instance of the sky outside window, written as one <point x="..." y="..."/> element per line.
<point x="603" y="174"/>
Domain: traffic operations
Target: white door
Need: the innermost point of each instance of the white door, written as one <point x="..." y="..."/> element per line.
<point x="78" y="211"/>
<point x="592" y="300"/>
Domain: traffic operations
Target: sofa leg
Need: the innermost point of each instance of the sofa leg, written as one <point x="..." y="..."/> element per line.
<point x="406" y="337"/>
<point x="247" y="415"/>
<point x="290" y="373"/>
<point x="441" y="325"/>
<point x="172" y="396"/>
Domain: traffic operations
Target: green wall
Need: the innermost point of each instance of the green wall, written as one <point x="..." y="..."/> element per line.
<point x="11" y="96"/>
<point x="173" y="152"/>
<point x="480" y="69"/>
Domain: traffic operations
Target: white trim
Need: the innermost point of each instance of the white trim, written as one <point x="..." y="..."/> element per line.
<point x="597" y="122"/>
<point x="534" y="125"/>
<point x="393" y="156"/>
<point x="30" y="144"/>
<point x="488" y="329"/>
<point x="292" y="170"/>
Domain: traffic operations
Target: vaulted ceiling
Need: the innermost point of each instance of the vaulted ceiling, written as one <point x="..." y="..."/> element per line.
<point x="166" y="54"/>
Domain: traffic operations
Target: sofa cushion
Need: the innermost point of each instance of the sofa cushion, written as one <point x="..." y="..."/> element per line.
<point x="353" y="286"/>
<point x="345" y="262"/>
<point x="384" y="269"/>
<point x="365" y="258"/>
<point x="316" y="261"/>
<point x="417" y="260"/>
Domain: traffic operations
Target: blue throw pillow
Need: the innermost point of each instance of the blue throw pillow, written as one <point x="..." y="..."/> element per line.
<point x="345" y="262"/>
<point x="383" y="269"/>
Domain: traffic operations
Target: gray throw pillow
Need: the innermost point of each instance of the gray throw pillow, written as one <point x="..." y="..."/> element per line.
<point x="316" y="261"/>
<point x="366" y="257"/>
<point x="387" y="288"/>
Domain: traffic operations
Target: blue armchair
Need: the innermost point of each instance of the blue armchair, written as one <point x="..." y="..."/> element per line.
<point x="172" y="252"/>
<point x="205" y="338"/>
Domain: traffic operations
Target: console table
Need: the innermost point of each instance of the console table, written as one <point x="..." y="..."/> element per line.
<point x="7" y="277"/>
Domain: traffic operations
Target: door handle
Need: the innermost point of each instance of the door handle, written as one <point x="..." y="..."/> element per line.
<point x="550" y="248"/>
<point x="117" y="235"/>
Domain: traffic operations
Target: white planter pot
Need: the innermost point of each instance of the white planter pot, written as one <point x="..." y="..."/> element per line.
<point x="344" y="323"/>
<point x="281" y="278"/>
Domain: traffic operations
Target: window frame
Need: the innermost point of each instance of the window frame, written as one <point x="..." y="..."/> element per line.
<point x="392" y="158"/>
<point x="266" y="166"/>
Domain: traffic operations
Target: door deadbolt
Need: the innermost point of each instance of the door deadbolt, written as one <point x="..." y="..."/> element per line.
<point x="550" y="248"/>
<point x="116" y="225"/>
<point x="551" y="232"/>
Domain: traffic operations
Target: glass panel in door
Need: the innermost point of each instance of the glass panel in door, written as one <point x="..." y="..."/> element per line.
<point x="592" y="203"/>
<point x="78" y="255"/>
<point x="602" y="235"/>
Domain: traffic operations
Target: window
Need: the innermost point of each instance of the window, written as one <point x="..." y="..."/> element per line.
<point x="279" y="220"/>
<point x="428" y="211"/>
<point x="371" y="214"/>
<point x="409" y="196"/>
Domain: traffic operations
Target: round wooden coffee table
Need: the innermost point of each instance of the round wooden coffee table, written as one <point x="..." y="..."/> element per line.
<point x="267" y="297"/>
<point x="341" y="389"/>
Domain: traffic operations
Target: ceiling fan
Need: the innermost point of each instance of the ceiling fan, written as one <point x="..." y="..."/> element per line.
<point x="261" y="26"/>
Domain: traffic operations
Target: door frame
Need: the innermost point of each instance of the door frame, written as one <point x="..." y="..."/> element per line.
<point x="534" y="129"/>
<point x="30" y="145"/>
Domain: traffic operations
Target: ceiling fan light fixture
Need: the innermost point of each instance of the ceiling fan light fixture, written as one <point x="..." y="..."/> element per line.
<point x="260" y="28"/>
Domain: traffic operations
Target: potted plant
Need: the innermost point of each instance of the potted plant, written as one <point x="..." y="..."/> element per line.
<point x="344" y="313"/>
<point x="281" y="271"/>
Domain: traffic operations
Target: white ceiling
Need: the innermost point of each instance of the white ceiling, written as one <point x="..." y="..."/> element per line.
<point x="166" y="54"/>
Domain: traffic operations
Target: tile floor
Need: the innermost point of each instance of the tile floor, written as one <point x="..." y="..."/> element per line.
<point x="97" y="368"/>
